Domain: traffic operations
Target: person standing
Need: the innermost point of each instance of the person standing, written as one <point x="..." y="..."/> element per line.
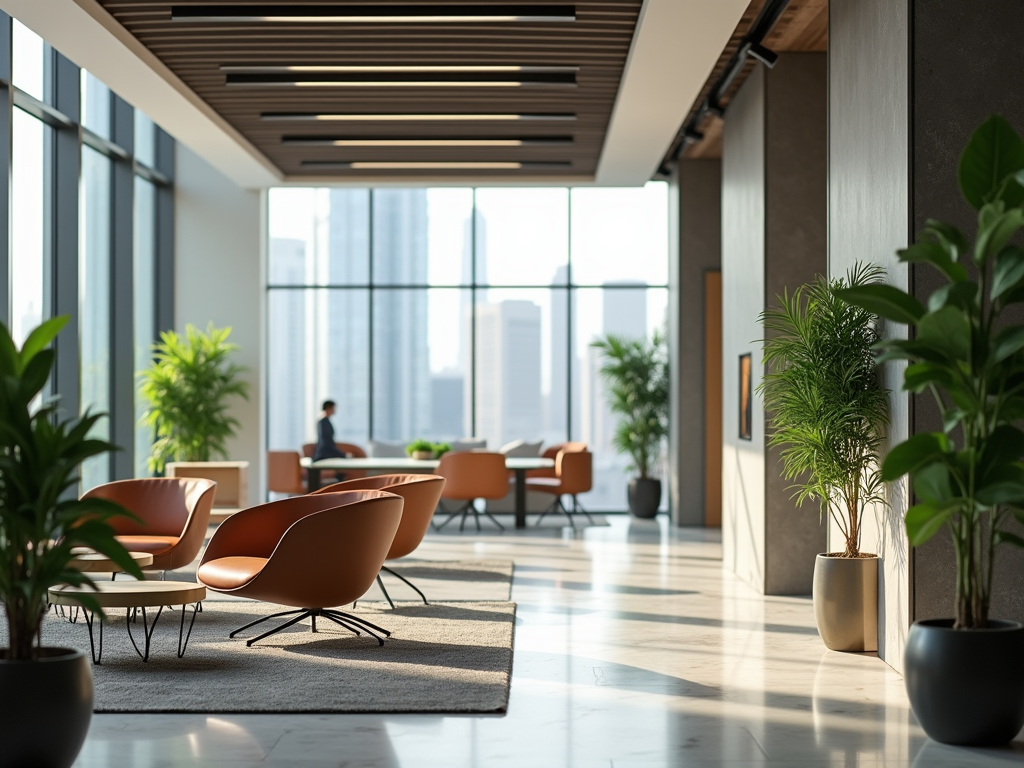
<point x="325" y="447"/>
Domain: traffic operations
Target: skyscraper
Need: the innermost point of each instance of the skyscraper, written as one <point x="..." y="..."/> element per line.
<point x="401" y="362"/>
<point x="286" y="368"/>
<point x="509" y="405"/>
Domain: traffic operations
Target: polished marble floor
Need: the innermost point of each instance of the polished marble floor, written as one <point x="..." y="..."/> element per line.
<point x="632" y="649"/>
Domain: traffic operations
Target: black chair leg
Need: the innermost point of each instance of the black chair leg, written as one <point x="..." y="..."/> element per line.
<point x="400" y="576"/>
<point x="493" y="520"/>
<point x="386" y="595"/>
<point x="281" y="628"/>
<point x="547" y="511"/>
<point x="577" y="507"/>
<point x="265" y="618"/>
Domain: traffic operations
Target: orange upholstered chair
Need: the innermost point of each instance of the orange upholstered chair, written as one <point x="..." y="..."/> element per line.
<point x="421" y="494"/>
<point x="470" y="476"/>
<point x="552" y="453"/>
<point x="173" y="514"/>
<point x="284" y="472"/>
<point x="310" y="552"/>
<point x="574" y="474"/>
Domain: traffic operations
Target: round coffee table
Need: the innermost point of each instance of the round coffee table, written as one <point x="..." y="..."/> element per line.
<point x="140" y="595"/>
<point x="94" y="562"/>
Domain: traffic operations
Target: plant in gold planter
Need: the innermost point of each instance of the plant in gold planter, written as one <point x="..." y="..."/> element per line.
<point x="45" y="693"/>
<point x="827" y="411"/>
<point x="965" y="674"/>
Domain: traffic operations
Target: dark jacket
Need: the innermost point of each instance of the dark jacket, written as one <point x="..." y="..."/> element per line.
<point x="325" y="447"/>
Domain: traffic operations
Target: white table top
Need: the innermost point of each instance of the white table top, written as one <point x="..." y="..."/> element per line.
<point x="413" y="465"/>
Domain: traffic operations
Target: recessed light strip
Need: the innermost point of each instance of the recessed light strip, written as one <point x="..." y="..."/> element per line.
<point x="316" y="141"/>
<point x="403" y="79"/>
<point x="374" y="117"/>
<point x="370" y="165"/>
<point x="374" y="14"/>
<point x="344" y="68"/>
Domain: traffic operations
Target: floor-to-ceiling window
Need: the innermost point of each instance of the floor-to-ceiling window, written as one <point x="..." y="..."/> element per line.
<point x="444" y="313"/>
<point x="87" y="230"/>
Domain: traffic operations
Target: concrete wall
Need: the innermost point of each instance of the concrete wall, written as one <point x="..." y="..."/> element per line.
<point x="743" y="292"/>
<point x="218" y="278"/>
<point x="796" y="195"/>
<point x="869" y="216"/>
<point x="774" y="207"/>
<point x="696" y="199"/>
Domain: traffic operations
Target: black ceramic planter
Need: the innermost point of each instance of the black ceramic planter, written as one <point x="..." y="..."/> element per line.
<point x="45" y="709"/>
<point x="967" y="686"/>
<point x="644" y="496"/>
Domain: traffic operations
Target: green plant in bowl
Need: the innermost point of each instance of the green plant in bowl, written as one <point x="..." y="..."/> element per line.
<point x="440" y="449"/>
<point x="419" y="447"/>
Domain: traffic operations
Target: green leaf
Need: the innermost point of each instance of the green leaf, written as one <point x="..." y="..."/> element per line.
<point x="936" y="254"/>
<point x="946" y="329"/>
<point x="884" y="301"/>
<point x="932" y="483"/>
<point x="1009" y="270"/>
<point x="919" y="376"/>
<point x="993" y="152"/>
<point x="951" y="418"/>
<point x="962" y="295"/>
<point x="996" y="229"/>
<point x="1008" y="343"/>
<point x="949" y="236"/>
<point x="924" y="520"/>
<point x="913" y="454"/>
<point x="1005" y="445"/>
<point x="42" y="336"/>
<point x="1003" y="492"/>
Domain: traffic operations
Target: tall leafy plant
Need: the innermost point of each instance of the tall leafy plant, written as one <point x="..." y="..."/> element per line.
<point x="188" y="389"/>
<point x="968" y="354"/>
<point x="827" y="408"/>
<point x="636" y="371"/>
<point x="41" y="517"/>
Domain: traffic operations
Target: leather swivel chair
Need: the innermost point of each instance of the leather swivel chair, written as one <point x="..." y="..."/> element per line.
<point x="310" y="553"/>
<point x="552" y="453"/>
<point x="354" y="451"/>
<point x="173" y="515"/>
<point x="574" y="474"/>
<point x="421" y="493"/>
<point x="470" y="476"/>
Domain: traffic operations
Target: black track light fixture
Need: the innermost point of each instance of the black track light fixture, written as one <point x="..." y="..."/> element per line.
<point x="766" y="56"/>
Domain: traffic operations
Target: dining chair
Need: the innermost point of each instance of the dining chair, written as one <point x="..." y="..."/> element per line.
<point x="284" y="472"/>
<point x="470" y="476"/>
<point x="574" y="474"/>
<point x="421" y="494"/>
<point x="311" y="553"/>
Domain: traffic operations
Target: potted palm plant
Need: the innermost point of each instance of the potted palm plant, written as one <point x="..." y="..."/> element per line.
<point x="827" y="411"/>
<point x="965" y="674"/>
<point x="46" y="700"/>
<point x="188" y="389"/>
<point x="636" y="372"/>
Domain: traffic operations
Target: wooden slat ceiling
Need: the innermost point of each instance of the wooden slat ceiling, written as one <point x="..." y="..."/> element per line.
<point x="803" y="26"/>
<point x="597" y="42"/>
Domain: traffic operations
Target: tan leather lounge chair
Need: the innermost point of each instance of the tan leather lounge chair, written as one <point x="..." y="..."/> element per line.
<point x="309" y="552"/>
<point x="470" y="476"/>
<point x="173" y="513"/>
<point x="574" y="474"/>
<point x="421" y="494"/>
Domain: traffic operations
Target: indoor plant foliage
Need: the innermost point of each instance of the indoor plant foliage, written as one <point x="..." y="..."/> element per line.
<point x="45" y="715"/>
<point x="636" y="372"/>
<point x="188" y="389"/>
<point x="827" y="409"/>
<point x="969" y="356"/>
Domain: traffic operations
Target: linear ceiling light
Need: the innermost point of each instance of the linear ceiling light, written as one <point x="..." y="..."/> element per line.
<point x="367" y="165"/>
<point x="377" y="79"/>
<point x="360" y="68"/>
<point x="373" y="117"/>
<point x="317" y="141"/>
<point x="387" y="13"/>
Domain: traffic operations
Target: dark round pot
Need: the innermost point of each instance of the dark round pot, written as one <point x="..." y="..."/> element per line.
<point x="45" y="709"/>
<point x="644" y="496"/>
<point x="845" y="596"/>
<point x="966" y="686"/>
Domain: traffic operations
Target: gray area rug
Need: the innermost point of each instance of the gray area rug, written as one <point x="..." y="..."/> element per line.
<point x="441" y="658"/>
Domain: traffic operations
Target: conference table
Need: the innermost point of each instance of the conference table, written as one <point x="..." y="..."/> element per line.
<point x="520" y="466"/>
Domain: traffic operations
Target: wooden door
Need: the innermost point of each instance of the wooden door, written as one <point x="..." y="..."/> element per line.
<point x="713" y="399"/>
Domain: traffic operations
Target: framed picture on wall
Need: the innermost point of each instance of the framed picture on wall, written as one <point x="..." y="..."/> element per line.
<point x="746" y="396"/>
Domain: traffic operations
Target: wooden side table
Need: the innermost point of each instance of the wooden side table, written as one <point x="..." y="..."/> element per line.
<point x="136" y="594"/>
<point x="94" y="562"/>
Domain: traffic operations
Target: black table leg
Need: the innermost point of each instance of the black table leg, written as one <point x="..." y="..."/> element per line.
<point x="520" y="498"/>
<point x="97" y="658"/>
<point x="313" y="479"/>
